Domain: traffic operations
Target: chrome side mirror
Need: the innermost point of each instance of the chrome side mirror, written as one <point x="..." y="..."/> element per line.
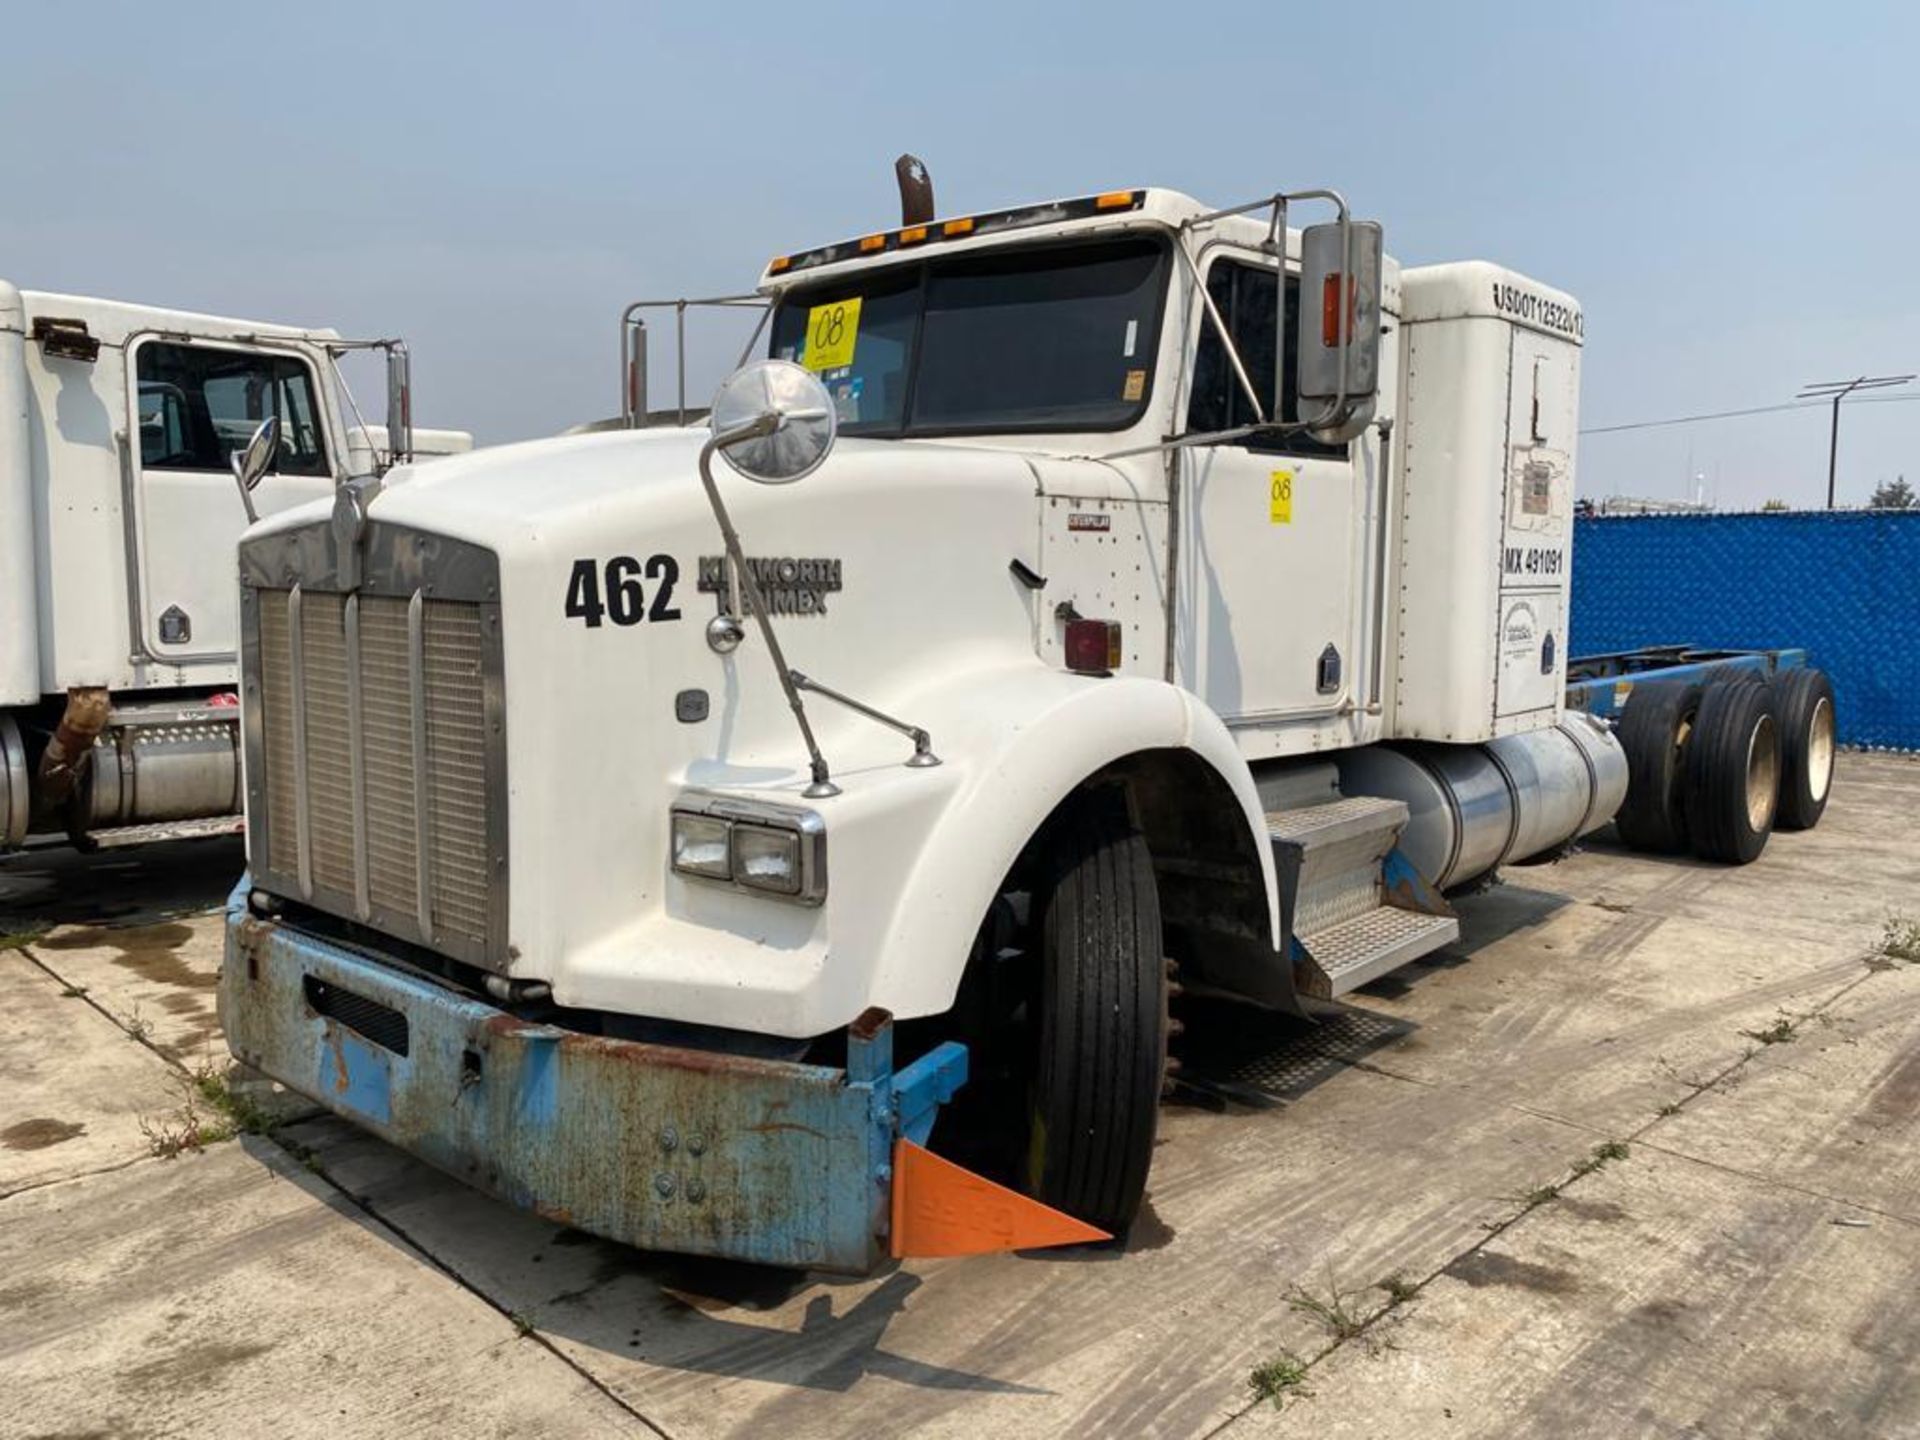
<point x="399" y="404"/>
<point x="1337" y="352"/>
<point x="254" y="459"/>
<point x="773" y="422"/>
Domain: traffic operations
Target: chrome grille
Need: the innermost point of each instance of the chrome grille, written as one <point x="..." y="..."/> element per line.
<point x="375" y="739"/>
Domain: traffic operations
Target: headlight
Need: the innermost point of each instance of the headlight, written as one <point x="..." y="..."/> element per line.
<point x="765" y="859"/>
<point x="700" y="846"/>
<point x="751" y="845"/>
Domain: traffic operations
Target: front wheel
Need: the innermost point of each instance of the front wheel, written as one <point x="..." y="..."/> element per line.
<point x="1101" y="1032"/>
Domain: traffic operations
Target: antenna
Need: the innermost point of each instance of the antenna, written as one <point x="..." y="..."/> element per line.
<point x="1838" y="390"/>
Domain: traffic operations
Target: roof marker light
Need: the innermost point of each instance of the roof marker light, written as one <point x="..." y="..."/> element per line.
<point x="870" y="243"/>
<point x="913" y="234"/>
<point x="779" y="263"/>
<point x="957" y="227"/>
<point x="1114" y="200"/>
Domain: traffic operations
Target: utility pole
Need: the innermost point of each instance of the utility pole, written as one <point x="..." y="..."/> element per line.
<point x="1838" y="390"/>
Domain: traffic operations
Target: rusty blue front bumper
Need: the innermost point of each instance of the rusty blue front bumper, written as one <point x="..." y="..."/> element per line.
<point x="659" y="1147"/>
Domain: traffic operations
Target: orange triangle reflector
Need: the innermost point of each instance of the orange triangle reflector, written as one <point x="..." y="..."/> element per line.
<point x="939" y="1208"/>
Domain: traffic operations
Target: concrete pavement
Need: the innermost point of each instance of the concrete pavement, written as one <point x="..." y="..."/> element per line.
<point x="1740" y="1270"/>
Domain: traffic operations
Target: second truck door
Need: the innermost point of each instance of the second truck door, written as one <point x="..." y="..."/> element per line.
<point x="194" y="404"/>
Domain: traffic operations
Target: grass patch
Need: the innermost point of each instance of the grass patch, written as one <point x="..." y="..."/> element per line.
<point x="1398" y="1289"/>
<point x="523" y="1323"/>
<point x="20" y="939"/>
<point x="1668" y="1109"/>
<point x="1334" y="1310"/>
<point x="210" y="1111"/>
<point x="1534" y="1198"/>
<point x="1783" y="1030"/>
<point x="1602" y="1155"/>
<point x="1285" y="1374"/>
<point x="188" y="1129"/>
<point x="1901" y="939"/>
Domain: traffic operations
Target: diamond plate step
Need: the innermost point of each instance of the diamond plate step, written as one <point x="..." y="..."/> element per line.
<point x="1347" y="954"/>
<point x="1314" y="827"/>
<point x="166" y="830"/>
<point x="1328" y="857"/>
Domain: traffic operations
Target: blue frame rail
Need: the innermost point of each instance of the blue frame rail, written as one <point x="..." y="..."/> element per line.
<point x="1600" y="684"/>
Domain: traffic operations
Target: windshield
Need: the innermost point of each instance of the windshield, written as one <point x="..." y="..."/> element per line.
<point x="1060" y="337"/>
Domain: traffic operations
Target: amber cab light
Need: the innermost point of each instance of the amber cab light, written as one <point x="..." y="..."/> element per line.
<point x="1093" y="646"/>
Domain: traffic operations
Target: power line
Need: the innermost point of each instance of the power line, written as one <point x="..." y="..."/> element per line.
<point x="1753" y="410"/>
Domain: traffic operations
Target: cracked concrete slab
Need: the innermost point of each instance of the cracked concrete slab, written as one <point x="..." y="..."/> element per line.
<point x="158" y="979"/>
<point x="1658" y="1297"/>
<point x="1356" y="1181"/>
<point x="232" y="1294"/>
<point x="73" y="1086"/>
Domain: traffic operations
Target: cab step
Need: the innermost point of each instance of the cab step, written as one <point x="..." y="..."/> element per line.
<point x="163" y="830"/>
<point x="1351" y="953"/>
<point x="1346" y="928"/>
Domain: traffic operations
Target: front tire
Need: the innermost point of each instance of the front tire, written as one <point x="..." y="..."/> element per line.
<point x="1102" y="1028"/>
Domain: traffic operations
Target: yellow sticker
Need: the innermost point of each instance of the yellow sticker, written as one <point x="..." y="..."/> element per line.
<point x="1280" y="498"/>
<point x="1135" y="387"/>
<point x="831" y="331"/>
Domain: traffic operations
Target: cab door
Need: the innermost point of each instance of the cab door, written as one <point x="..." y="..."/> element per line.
<point x="1270" y="528"/>
<point x="194" y="403"/>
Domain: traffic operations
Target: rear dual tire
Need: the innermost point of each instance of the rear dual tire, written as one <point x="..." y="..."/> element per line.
<point x="1654" y="732"/>
<point x="1803" y="702"/>
<point x="1714" y="765"/>
<point x="1731" y="786"/>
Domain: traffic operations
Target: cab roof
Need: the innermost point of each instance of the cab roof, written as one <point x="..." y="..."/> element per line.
<point x="113" y="322"/>
<point x="1137" y="209"/>
<point x="1109" y="212"/>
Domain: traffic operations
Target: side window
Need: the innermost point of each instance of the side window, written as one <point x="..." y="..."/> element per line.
<point x="198" y="404"/>
<point x="1245" y="297"/>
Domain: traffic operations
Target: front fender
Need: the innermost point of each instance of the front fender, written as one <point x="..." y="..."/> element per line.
<point x="1030" y="737"/>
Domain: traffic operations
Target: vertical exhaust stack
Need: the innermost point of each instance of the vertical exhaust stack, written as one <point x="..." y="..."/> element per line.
<point x="916" y="190"/>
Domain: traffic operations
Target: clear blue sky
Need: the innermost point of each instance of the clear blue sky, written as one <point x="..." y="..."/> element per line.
<point x="1729" y="189"/>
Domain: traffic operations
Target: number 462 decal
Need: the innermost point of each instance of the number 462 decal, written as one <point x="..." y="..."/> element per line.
<point x="626" y="600"/>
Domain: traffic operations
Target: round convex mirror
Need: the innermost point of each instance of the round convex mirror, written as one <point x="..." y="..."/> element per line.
<point x="254" y="460"/>
<point x="798" y="405"/>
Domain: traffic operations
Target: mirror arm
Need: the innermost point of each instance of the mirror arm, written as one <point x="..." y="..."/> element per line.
<point x="923" y="756"/>
<point x="745" y="584"/>
<point x="246" y="495"/>
<point x="1226" y="340"/>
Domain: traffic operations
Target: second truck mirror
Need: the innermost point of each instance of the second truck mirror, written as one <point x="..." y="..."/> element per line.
<point x="399" y="405"/>
<point x="1338" y="348"/>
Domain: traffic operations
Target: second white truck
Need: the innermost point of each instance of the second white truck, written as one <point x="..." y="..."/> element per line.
<point x="119" y="619"/>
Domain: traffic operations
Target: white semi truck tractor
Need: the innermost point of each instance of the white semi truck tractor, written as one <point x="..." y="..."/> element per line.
<point x="119" y="617"/>
<point x="1071" y="605"/>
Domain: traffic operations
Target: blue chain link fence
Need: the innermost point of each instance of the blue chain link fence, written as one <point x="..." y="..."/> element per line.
<point x="1843" y="584"/>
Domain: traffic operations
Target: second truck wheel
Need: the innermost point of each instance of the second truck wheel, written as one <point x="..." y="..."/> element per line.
<point x="1732" y="780"/>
